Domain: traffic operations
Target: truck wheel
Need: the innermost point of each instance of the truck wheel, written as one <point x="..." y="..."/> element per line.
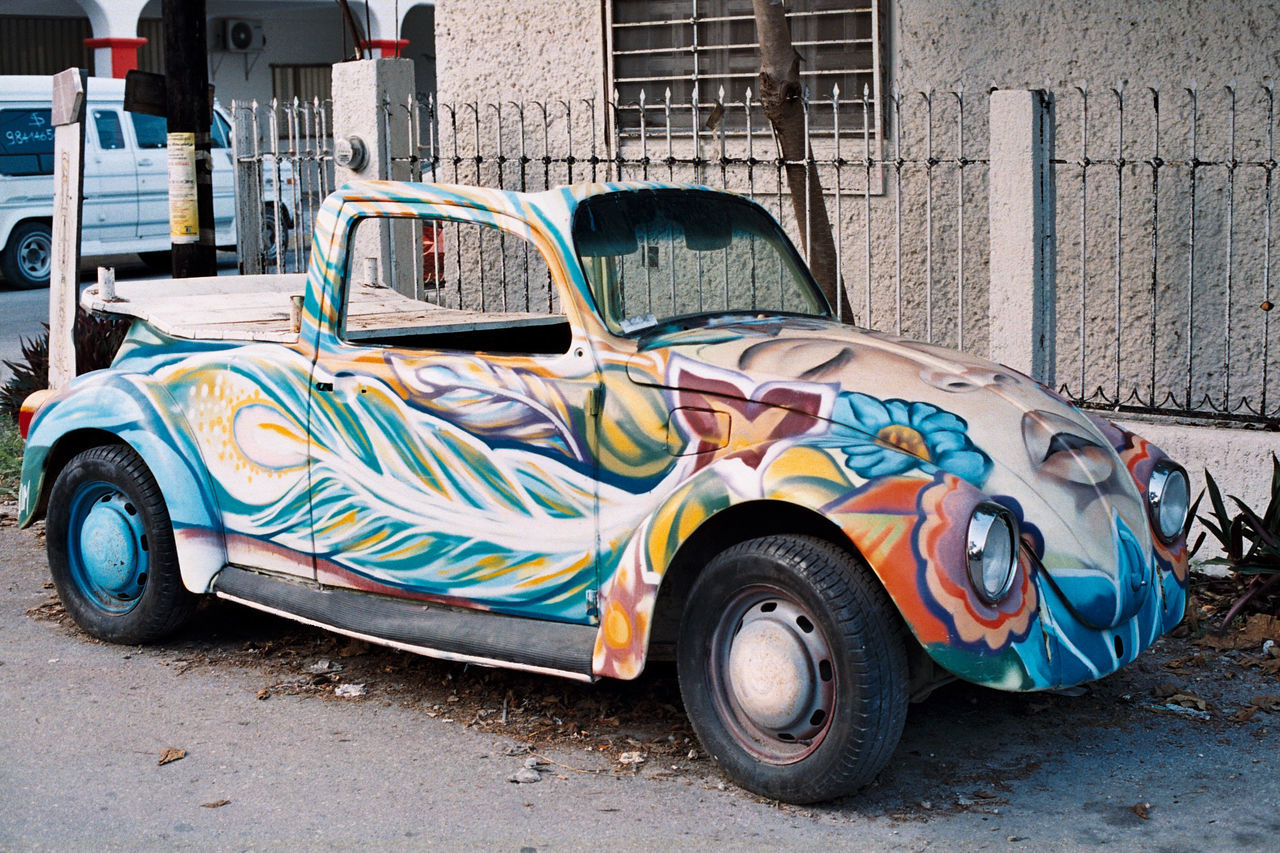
<point x="793" y="668"/>
<point x="160" y="263"/>
<point x="111" y="548"/>
<point x="29" y="256"/>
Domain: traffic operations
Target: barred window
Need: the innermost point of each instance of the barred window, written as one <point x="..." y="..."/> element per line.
<point x="683" y="46"/>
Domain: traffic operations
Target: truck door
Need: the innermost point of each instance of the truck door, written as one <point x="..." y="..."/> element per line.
<point x="450" y="425"/>
<point x="110" y="183"/>
<point x="152" y="166"/>
<point x="224" y="190"/>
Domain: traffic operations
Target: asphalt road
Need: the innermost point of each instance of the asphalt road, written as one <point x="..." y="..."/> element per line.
<point x="265" y="767"/>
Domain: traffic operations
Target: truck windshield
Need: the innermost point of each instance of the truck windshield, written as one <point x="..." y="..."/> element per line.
<point x="660" y="256"/>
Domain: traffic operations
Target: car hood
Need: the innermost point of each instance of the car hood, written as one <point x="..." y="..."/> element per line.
<point x="1023" y="445"/>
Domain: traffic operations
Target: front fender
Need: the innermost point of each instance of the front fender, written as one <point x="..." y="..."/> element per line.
<point x="145" y="417"/>
<point x="908" y="528"/>
<point x="880" y="519"/>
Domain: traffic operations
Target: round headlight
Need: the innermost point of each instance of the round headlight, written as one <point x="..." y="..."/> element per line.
<point x="1169" y="495"/>
<point x="992" y="551"/>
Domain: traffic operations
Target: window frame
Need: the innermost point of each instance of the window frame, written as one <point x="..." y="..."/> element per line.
<point x="685" y="116"/>
<point x="348" y="273"/>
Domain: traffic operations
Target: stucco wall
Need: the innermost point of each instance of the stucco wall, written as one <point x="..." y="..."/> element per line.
<point x="520" y="50"/>
<point x="945" y="43"/>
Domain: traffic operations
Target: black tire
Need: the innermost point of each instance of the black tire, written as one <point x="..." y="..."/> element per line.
<point x="28" y="257"/>
<point x="793" y="668"/>
<point x="160" y="263"/>
<point x="111" y="549"/>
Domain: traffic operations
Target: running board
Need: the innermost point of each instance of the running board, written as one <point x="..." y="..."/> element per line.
<point x="433" y="630"/>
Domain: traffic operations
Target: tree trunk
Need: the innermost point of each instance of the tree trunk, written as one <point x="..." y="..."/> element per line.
<point x="780" y="95"/>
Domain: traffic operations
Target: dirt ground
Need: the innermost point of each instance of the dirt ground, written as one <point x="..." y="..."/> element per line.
<point x="969" y="754"/>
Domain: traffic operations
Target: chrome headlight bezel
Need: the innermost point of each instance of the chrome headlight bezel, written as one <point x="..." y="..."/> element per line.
<point x="1168" y="499"/>
<point x="991" y="551"/>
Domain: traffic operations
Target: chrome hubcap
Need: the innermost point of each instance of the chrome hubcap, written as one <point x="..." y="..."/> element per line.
<point x="35" y="256"/>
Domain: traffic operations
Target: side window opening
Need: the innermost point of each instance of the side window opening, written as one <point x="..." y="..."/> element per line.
<point x="219" y="132"/>
<point x="26" y="142"/>
<point x="107" y="125"/>
<point x="150" y="130"/>
<point x="444" y="284"/>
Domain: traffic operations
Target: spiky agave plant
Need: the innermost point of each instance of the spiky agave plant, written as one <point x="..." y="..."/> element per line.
<point x="97" y="340"/>
<point x="1250" y="542"/>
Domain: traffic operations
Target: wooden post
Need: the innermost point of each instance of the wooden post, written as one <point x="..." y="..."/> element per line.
<point x="188" y="107"/>
<point x="68" y="181"/>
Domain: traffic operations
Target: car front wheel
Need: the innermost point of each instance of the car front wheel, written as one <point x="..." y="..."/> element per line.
<point x="793" y="669"/>
<point x="111" y="548"/>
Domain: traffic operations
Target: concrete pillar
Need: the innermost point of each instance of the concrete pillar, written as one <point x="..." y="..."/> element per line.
<point x="1022" y="310"/>
<point x="370" y="113"/>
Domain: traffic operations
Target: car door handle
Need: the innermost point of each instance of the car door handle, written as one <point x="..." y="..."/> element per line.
<point x="146" y="162"/>
<point x="324" y="386"/>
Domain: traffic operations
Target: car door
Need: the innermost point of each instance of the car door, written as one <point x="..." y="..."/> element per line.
<point x="110" y="213"/>
<point x="451" y="425"/>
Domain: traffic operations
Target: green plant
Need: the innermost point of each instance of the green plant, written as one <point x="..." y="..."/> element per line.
<point x="1251" y="542"/>
<point x="10" y="459"/>
<point x="97" y="340"/>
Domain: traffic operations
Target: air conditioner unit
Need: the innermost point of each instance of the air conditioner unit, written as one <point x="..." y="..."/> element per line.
<point x="242" y="36"/>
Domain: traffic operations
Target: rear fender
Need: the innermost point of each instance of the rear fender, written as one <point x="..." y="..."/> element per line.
<point x="101" y="407"/>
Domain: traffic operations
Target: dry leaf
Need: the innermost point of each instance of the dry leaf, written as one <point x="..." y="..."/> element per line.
<point x="1258" y="628"/>
<point x="264" y="693"/>
<point x="1269" y="702"/>
<point x="170" y="755"/>
<point x="1186" y="700"/>
<point x="216" y="804"/>
<point x="1140" y="809"/>
<point x="1244" y="715"/>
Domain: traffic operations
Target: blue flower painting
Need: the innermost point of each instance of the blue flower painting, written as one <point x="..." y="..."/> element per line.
<point x="885" y="437"/>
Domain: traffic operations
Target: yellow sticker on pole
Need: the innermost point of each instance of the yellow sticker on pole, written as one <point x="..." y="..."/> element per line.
<point x="184" y="213"/>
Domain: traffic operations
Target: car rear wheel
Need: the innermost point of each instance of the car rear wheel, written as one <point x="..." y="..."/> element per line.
<point x="111" y="548"/>
<point x="793" y="668"/>
<point x="28" y="257"/>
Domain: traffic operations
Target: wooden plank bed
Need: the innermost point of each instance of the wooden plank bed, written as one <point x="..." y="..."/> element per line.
<point x="260" y="308"/>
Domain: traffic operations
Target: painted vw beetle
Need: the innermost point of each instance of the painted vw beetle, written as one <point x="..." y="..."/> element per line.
<point x="604" y="424"/>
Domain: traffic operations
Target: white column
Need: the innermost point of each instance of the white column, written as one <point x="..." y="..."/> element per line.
<point x="1023" y="254"/>
<point x="115" y="34"/>
<point x="362" y="91"/>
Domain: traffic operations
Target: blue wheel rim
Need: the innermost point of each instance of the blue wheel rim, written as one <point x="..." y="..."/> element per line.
<point x="107" y="548"/>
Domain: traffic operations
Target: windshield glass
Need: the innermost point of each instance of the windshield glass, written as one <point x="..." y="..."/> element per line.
<point x="655" y="256"/>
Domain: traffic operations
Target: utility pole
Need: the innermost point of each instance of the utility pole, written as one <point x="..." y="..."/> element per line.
<point x="189" y="109"/>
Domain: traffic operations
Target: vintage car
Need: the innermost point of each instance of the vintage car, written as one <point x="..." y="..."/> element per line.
<point x="597" y="426"/>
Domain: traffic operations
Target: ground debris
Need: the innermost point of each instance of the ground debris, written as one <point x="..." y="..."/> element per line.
<point x="1269" y="702"/>
<point x="216" y="804"/>
<point x="171" y="754"/>
<point x="1142" y="810"/>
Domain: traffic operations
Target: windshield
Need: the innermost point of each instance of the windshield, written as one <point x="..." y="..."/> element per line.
<point x="656" y="256"/>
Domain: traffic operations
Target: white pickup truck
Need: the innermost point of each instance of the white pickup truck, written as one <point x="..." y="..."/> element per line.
<point x="126" y="182"/>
